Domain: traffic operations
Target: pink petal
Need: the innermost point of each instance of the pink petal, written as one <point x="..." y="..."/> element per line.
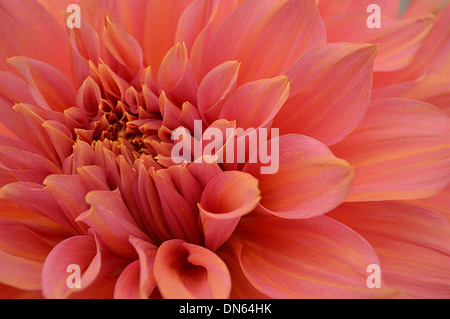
<point x="111" y="220"/>
<point x="433" y="54"/>
<point x="313" y="258"/>
<point x="399" y="151"/>
<point x="49" y="87"/>
<point x="87" y="252"/>
<point x="181" y="218"/>
<point x="186" y="271"/>
<point x="263" y="99"/>
<point x="137" y="280"/>
<point x="204" y="172"/>
<point x="175" y="75"/>
<point x="23" y="250"/>
<point x="214" y="88"/>
<point x="312" y="108"/>
<point x="310" y="181"/>
<point x="412" y="244"/>
<point x="399" y="40"/>
<point x="283" y="30"/>
<point x="25" y="166"/>
<point x="122" y="46"/>
<point x="19" y="36"/>
<point x="226" y="198"/>
<point x="437" y="203"/>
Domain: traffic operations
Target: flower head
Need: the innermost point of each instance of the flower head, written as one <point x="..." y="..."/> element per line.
<point x="89" y="181"/>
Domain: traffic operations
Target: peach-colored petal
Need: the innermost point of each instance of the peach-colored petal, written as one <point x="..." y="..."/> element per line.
<point x="186" y="271"/>
<point x="313" y="258"/>
<point x="175" y="76"/>
<point x="153" y="23"/>
<point x="241" y="288"/>
<point x="412" y="244"/>
<point x="12" y="90"/>
<point x="111" y="220"/>
<point x="328" y="113"/>
<point x="122" y="46"/>
<point x="49" y="87"/>
<point x="226" y="198"/>
<point x="8" y="292"/>
<point x="25" y="166"/>
<point x="401" y="150"/>
<point x="151" y="210"/>
<point x="433" y="88"/>
<point x="37" y="36"/>
<point x="194" y="19"/>
<point x="181" y="218"/>
<point x="55" y="8"/>
<point x="433" y="54"/>
<point x="215" y="87"/>
<point x="330" y="8"/>
<point x="399" y="40"/>
<point x="262" y="99"/>
<point x="36" y="198"/>
<point x="283" y="30"/>
<point x="87" y="252"/>
<point x="310" y="181"/>
<point x="437" y="203"/>
<point x="417" y="7"/>
<point x="23" y="250"/>
<point x="204" y="171"/>
<point x="137" y="280"/>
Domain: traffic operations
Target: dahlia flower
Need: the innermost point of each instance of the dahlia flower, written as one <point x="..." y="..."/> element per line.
<point x="88" y="180"/>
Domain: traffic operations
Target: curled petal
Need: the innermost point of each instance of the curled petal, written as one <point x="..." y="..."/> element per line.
<point x="187" y="271"/>
<point x="86" y="252"/>
<point x="226" y="198"/>
<point x="137" y="280"/>
<point x="310" y="180"/>
<point x="111" y="220"/>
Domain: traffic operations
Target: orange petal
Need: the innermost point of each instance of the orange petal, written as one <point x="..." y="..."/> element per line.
<point x="122" y="46"/>
<point x="310" y="181"/>
<point x="328" y="113"/>
<point x="438" y="203"/>
<point x="399" y="40"/>
<point x="22" y="37"/>
<point x="283" y="30"/>
<point x="313" y="258"/>
<point x="175" y="76"/>
<point x="412" y="244"/>
<point x="180" y="216"/>
<point x="88" y="253"/>
<point x="401" y="150"/>
<point x="226" y="198"/>
<point x="49" y="87"/>
<point x="214" y="88"/>
<point x="25" y="166"/>
<point x="137" y="280"/>
<point x="186" y="271"/>
<point x="262" y="99"/>
<point x="111" y="220"/>
<point x="23" y="250"/>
